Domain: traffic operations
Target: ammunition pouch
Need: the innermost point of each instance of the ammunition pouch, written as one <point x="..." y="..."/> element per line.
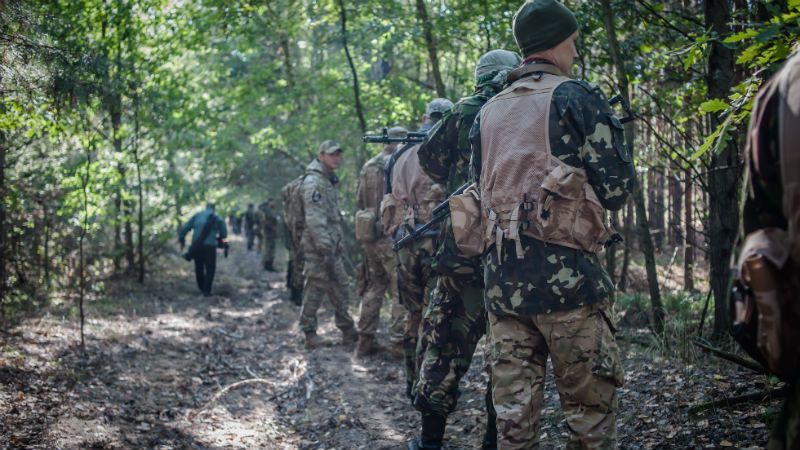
<point x="388" y="211"/>
<point x="465" y="217"/>
<point x="764" y="304"/>
<point x="365" y="226"/>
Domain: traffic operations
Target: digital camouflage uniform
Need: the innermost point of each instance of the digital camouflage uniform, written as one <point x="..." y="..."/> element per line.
<point x="268" y="227"/>
<point x="379" y="258"/>
<point x="553" y="301"/>
<point x="322" y="246"/>
<point x="455" y="318"/>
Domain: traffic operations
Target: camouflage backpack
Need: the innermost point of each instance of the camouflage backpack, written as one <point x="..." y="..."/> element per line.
<point x="293" y="213"/>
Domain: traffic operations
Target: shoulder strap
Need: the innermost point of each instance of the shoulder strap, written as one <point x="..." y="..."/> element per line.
<point x="207" y="228"/>
<point x="524" y="71"/>
<point x="387" y="180"/>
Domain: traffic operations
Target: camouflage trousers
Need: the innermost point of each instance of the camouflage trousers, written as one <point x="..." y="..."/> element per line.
<point x="268" y="250"/>
<point x="786" y="432"/>
<point x="320" y="284"/>
<point x="452" y="325"/>
<point x="381" y="264"/>
<point x="415" y="281"/>
<point x="587" y="371"/>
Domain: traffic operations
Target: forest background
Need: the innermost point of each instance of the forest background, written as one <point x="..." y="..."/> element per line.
<point x="119" y="118"/>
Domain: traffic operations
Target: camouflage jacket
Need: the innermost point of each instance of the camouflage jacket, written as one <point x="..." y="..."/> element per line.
<point x="552" y="277"/>
<point x="370" y="183"/>
<point x="323" y="223"/>
<point x="445" y="158"/>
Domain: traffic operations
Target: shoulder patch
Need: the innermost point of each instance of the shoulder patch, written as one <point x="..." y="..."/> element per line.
<point x="316" y="196"/>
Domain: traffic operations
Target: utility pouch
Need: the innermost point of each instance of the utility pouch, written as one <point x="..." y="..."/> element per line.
<point x="764" y="303"/>
<point x="365" y="226"/>
<point x="465" y="216"/>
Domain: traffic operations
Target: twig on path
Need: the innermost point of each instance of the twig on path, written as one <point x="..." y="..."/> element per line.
<point x="744" y="362"/>
<point x="230" y="387"/>
<point x="780" y="392"/>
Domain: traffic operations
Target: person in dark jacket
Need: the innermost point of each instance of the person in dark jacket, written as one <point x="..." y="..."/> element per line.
<point x="205" y="258"/>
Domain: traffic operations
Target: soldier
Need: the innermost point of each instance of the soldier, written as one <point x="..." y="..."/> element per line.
<point x="379" y="260"/>
<point x="294" y="223"/>
<point x="250" y="226"/>
<point x="206" y="228"/>
<point x="770" y="250"/>
<point x="322" y="246"/>
<point x="549" y="155"/>
<point x="410" y="197"/>
<point x="455" y="319"/>
<point x="268" y="227"/>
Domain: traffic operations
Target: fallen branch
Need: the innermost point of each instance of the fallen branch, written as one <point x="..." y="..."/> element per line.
<point x="780" y="392"/>
<point x="228" y="388"/>
<point x="736" y="359"/>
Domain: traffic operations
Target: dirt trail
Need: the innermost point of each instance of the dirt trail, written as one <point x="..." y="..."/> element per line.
<point x="167" y="368"/>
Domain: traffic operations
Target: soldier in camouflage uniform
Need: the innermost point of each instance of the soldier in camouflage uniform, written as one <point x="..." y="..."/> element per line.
<point x="455" y="318"/>
<point x="379" y="258"/>
<point x="414" y="194"/>
<point x="250" y="226"/>
<point x="549" y="172"/>
<point x="268" y="227"/>
<point x="322" y="245"/>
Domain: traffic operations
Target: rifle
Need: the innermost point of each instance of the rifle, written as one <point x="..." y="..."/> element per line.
<point x="439" y="213"/>
<point x="442" y="210"/>
<point x="384" y="138"/>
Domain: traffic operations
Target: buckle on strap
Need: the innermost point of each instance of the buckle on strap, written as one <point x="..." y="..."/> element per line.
<point x="513" y="232"/>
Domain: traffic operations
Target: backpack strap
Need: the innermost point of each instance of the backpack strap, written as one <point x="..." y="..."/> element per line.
<point x="207" y="228"/>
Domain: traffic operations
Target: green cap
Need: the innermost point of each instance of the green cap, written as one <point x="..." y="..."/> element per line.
<point x="542" y="24"/>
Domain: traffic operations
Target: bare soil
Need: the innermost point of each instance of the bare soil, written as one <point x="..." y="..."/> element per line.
<point x="165" y="368"/>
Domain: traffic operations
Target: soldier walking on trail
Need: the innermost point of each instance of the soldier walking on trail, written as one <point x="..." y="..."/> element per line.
<point x="455" y="318"/>
<point x="550" y="156"/>
<point x="322" y="246"/>
<point x="250" y="225"/>
<point x="768" y="270"/>
<point x="294" y="223"/>
<point x="380" y="261"/>
<point x="410" y="197"/>
<point x="206" y="228"/>
<point x="268" y="226"/>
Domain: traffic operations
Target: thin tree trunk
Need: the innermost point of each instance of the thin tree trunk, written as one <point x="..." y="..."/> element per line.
<point x="430" y="43"/>
<point x="362" y="122"/>
<point x="688" y="246"/>
<point x="139" y="186"/>
<point x="3" y="244"/>
<point x="645" y="239"/>
<point x="723" y="178"/>
<point x="626" y="252"/>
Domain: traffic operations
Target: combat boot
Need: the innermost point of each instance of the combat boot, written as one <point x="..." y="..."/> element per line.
<point x="367" y="345"/>
<point x="313" y="340"/>
<point x="349" y="336"/>
<point x="432" y="433"/>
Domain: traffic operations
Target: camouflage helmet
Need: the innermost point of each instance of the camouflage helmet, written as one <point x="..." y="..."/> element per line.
<point x="438" y="106"/>
<point x="494" y="62"/>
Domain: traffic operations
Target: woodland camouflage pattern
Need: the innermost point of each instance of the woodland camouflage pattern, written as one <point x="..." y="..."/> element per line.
<point x="293" y="220"/>
<point x="269" y="233"/>
<point x="584" y="133"/>
<point x="587" y="372"/>
<point x="455" y="318"/>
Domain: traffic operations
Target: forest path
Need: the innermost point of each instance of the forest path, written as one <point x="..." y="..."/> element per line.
<point x="167" y="368"/>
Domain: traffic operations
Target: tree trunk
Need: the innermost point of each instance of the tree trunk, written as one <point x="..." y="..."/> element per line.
<point x="626" y="252"/>
<point x="723" y="178"/>
<point x="3" y="262"/>
<point x="360" y="159"/>
<point x="430" y="43"/>
<point x="688" y="246"/>
<point x="645" y="240"/>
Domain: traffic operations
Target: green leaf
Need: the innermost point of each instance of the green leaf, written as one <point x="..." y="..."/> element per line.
<point x="738" y="37"/>
<point x="712" y="106"/>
